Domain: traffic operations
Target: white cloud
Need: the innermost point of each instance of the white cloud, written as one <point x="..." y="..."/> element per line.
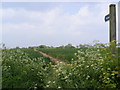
<point x="0" y="25"/>
<point x="54" y="25"/>
<point x="84" y="11"/>
<point x="9" y="13"/>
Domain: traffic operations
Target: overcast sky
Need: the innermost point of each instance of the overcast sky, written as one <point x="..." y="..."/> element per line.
<point x="54" y="24"/>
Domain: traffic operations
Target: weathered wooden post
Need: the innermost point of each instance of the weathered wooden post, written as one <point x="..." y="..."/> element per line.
<point x="112" y="26"/>
<point x="119" y="23"/>
<point x="112" y="22"/>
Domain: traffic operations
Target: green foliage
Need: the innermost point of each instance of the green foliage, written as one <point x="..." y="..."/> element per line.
<point x="42" y="46"/>
<point x="31" y="53"/>
<point x="91" y="67"/>
<point x="66" y="54"/>
<point x="101" y="63"/>
<point x="69" y="46"/>
<point x="20" y="71"/>
<point x="94" y="68"/>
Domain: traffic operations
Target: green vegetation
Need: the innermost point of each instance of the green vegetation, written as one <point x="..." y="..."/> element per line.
<point x="91" y="67"/>
<point x="20" y="71"/>
<point x="94" y="68"/>
<point x="31" y="53"/>
<point x="66" y="54"/>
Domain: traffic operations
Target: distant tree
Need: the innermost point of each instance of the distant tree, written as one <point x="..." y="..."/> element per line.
<point x="69" y="46"/>
<point x="42" y="46"/>
<point x="30" y="47"/>
<point x="17" y="48"/>
<point x="61" y="47"/>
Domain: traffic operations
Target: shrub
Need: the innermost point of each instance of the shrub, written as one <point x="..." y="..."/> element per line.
<point x="19" y="71"/>
<point x="96" y="67"/>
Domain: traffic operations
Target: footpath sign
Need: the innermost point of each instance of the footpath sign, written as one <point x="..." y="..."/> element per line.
<point x="107" y="18"/>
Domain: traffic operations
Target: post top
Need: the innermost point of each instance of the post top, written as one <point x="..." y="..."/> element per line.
<point x="112" y="5"/>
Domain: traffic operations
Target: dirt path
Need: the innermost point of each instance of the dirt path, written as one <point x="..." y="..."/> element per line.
<point x="52" y="59"/>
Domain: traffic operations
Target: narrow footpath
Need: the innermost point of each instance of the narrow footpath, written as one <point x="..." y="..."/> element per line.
<point x="56" y="60"/>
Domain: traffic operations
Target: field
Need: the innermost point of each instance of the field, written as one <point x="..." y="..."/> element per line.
<point x="66" y="54"/>
<point x="85" y="67"/>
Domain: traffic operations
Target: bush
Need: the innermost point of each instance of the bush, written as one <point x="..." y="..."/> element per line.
<point x="94" y="68"/>
<point x="19" y="71"/>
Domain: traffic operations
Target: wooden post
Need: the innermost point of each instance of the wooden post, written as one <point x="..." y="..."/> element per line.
<point x="113" y="25"/>
<point x="119" y="22"/>
<point x="112" y="22"/>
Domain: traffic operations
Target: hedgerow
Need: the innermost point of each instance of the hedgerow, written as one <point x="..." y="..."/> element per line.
<point x="94" y="67"/>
